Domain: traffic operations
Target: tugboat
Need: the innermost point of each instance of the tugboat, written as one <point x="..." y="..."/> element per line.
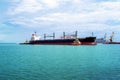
<point x="64" y="40"/>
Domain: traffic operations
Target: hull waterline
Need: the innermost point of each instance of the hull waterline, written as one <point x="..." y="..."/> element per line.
<point x="112" y="43"/>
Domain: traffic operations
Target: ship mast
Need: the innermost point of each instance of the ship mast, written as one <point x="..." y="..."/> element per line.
<point x="76" y="34"/>
<point x="53" y="36"/>
<point x="92" y="34"/>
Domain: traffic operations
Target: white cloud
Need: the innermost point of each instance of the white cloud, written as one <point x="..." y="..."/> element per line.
<point x="2" y="25"/>
<point x="30" y="6"/>
<point x="86" y="13"/>
<point x="51" y="3"/>
<point x="114" y="6"/>
<point x="15" y="0"/>
<point x="23" y="21"/>
<point x="85" y="16"/>
<point x="76" y="1"/>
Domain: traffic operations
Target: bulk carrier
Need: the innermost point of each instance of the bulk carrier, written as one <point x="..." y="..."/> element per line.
<point x="64" y="40"/>
<point x="111" y="40"/>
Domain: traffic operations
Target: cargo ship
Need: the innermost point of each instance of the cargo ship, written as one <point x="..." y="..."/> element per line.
<point x="64" y="40"/>
<point x="111" y="40"/>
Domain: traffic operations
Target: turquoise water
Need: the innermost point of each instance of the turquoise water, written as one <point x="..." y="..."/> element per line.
<point x="54" y="62"/>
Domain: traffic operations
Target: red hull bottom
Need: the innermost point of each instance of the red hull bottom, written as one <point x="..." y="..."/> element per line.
<point x="112" y="43"/>
<point x="82" y="43"/>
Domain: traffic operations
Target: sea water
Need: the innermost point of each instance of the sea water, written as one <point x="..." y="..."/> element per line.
<point x="59" y="62"/>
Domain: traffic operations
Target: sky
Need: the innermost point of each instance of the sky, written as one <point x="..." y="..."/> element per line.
<point x="20" y="18"/>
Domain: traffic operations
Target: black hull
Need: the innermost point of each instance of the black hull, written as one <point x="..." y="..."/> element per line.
<point x="82" y="41"/>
